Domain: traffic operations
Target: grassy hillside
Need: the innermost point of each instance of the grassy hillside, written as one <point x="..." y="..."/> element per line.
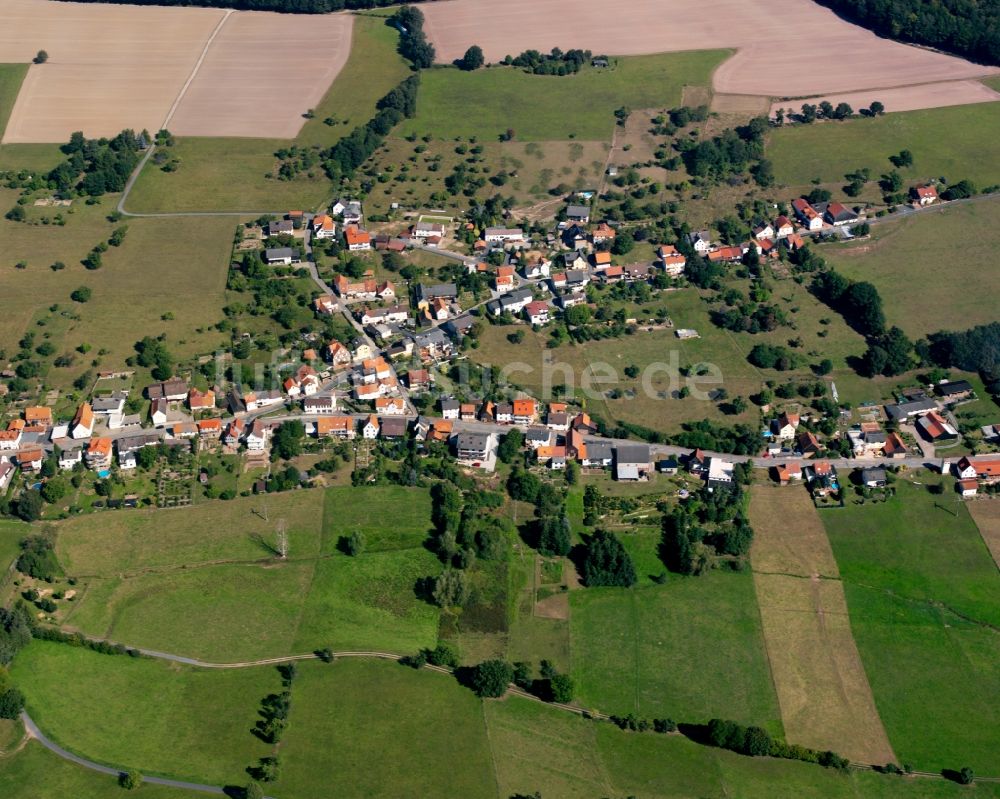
<point x="232" y="174"/>
<point x="138" y="713"/>
<point x="905" y="260"/>
<point x="955" y="143"/>
<point x="487" y="102"/>
<point x="923" y="594"/>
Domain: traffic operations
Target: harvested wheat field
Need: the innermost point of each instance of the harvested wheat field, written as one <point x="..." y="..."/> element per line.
<point x="907" y="98"/>
<point x="262" y="72"/>
<point x="797" y="49"/>
<point x="986" y="514"/>
<point x="211" y="71"/>
<point x="823" y="691"/>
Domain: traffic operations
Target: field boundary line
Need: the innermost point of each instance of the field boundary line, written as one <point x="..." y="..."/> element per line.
<point x="197" y="66"/>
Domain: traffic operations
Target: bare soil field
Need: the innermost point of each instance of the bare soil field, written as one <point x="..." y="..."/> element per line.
<point x="907" y="98"/>
<point x="986" y="513"/>
<point x="823" y="691"/>
<point x="262" y="72"/>
<point x="811" y="50"/>
<point x="211" y="71"/>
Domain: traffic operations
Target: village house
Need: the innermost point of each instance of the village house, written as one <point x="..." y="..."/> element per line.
<point x="671" y="260"/>
<point x="536" y="269"/>
<point x="363" y="290"/>
<point x="807" y="443"/>
<point x="525" y="411"/>
<point x="449" y="407"/>
<point x="392" y="427"/>
<point x="982" y="467"/>
<point x="954" y="390"/>
<point x="201" y="400"/>
<point x="763" y="230"/>
<point x="720" y="474"/>
<point x="894" y="446"/>
<point x="602" y="232"/>
<point x="335" y="427"/>
<point x="632" y="462"/>
<point x="726" y="255"/>
<point x="807" y="214"/>
<point x="159" y="412"/>
<point x="98" y="454"/>
<point x="370" y="428"/>
<point x="701" y="241"/>
<point x="504" y="280"/>
<point x="537" y="312"/>
<point x="357" y="239"/>
<point x="418" y="379"/>
<point x="785" y="426"/>
<point x="326" y="305"/>
<point x="967" y="488"/>
<point x="390" y="406"/>
<point x="283" y="256"/>
<point x="601" y="260"/>
<point x="473" y="447"/>
<point x="936" y="428"/>
<point x="38" y="416"/>
<point x="433" y="345"/>
<point x="338" y="354"/>
<point x="839" y="214"/>
<point x="209" y="428"/>
<point x="234" y="433"/>
<point x="783" y="227"/>
<point x="493" y="235"/>
<point x="578" y="213"/>
<point x="10" y="439"/>
<point x="319" y="405"/>
<point x="304" y="383"/>
<point x="7" y="470"/>
<point x="83" y="422"/>
<point x="822" y="478"/>
<point x="874" y="477"/>
<point x="281" y="227"/>
<point x="70" y="457"/>
<point x="424" y="230"/>
<point x="257" y="436"/>
<point x="785" y="473"/>
<point x="442" y="291"/>
<point x="513" y="302"/>
<point x="394" y="314"/>
<point x="924" y="195"/>
<point x="902" y="411"/>
<point x="323" y="227"/>
<point x="31" y="460"/>
<point x="595" y="454"/>
<point x="536" y="437"/>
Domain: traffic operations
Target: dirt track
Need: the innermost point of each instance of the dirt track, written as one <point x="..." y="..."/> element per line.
<point x="117" y="66"/>
<point x="795" y="49"/>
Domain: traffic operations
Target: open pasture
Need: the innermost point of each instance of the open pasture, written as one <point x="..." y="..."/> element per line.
<point x="790" y="59"/>
<point x="825" y="699"/>
<point x="691" y="649"/>
<point x="987" y="516"/>
<point x="161" y="718"/>
<point x="212" y="71"/>
<point x="923" y="594"/>
<point x="898" y="260"/>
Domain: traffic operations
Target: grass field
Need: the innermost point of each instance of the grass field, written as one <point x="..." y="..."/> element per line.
<point x="987" y="517"/>
<point x="955" y="143"/>
<point x="902" y="259"/>
<point x="224" y="597"/>
<point x="231" y="174"/>
<point x="108" y="545"/>
<point x="162" y="719"/>
<point x="689" y="650"/>
<point x="923" y="596"/>
<point x="36" y="773"/>
<point x="11" y="533"/>
<point x="11" y="77"/>
<point x="825" y="699"/>
<point x="540" y="107"/>
<point x="371" y="728"/>
<point x="157" y="271"/>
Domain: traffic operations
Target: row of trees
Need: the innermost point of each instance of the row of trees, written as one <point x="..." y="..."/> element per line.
<point x="413" y="44"/>
<point x="351" y="152"/>
<point x="96" y="166"/>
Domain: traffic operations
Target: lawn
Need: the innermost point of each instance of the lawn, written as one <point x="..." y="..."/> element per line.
<point x="368" y="728"/>
<point x="161" y="718"/>
<point x="106" y="545"/>
<point x="923" y="596"/>
<point x="11" y="77"/>
<point x="955" y="143"/>
<point x="11" y="533"/>
<point x="161" y="280"/>
<point x="689" y="650"/>
<point x="36" y="773"/>
<point x="233" y="174"/>
<point x="904" y="259"/>
<point x="540" y="107"/>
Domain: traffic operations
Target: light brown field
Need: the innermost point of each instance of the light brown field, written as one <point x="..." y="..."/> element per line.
<point x="237" y="92"/>
<point x="986" y="514"/>
<point x="907" y="98"/>
<point x="796" y="50"/>
<point x="823" y="691"/>
<point x="213" y="72"/>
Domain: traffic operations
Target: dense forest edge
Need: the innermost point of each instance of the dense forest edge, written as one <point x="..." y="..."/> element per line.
<point x="966" y="28"/>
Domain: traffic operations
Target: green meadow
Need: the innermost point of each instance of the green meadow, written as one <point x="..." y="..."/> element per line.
<point x="487" y="102"/>
<point x="954" y="143"/>
<point x="924" y="599"/>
